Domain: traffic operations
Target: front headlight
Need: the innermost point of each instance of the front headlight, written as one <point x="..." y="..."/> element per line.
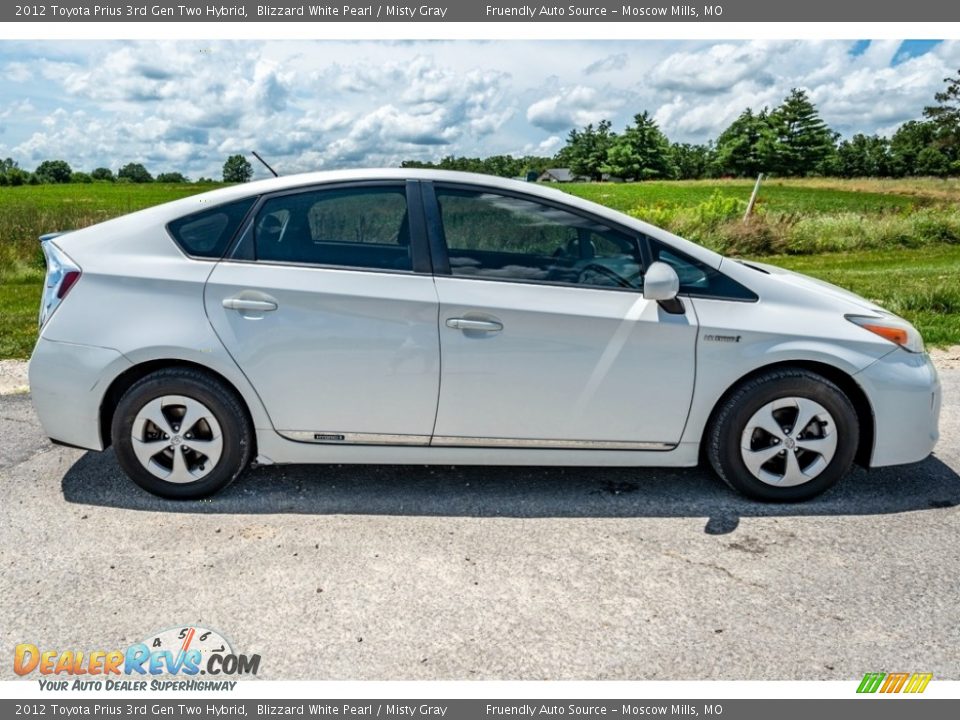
<point x="891" y="328"/>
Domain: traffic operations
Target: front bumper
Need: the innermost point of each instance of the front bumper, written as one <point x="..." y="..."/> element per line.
<point x="67" y="385"/>
<point x="904" y="391"/>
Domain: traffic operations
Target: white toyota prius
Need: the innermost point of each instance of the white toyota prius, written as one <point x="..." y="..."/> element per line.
<point x="424" y="317"/>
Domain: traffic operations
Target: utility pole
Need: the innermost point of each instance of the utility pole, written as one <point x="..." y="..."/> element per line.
<point x="753" y="197"/>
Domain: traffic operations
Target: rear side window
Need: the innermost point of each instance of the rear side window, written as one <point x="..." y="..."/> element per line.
<point x="362" y="227"/>
<point x="207" y="233"/>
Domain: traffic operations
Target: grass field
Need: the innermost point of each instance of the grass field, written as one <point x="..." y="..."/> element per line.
<point x="26" y="212"/>
<point x="780" y="195"/>
<point x="894" y="241"/>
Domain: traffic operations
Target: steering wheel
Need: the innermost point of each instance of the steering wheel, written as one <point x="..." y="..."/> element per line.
<point x="602" y="270"/>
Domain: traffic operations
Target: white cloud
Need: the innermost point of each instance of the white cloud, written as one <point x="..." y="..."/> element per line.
<point x="572" y="107"/>
<point x="18" y="72"/>
<point x="717" y="68"/>
<point x="309" y="104"/>
<point x="617" y="61"/>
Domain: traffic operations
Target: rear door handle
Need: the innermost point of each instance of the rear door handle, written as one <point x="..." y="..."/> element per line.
<point x="247" y="304"/>
<point x="470" y="324"/>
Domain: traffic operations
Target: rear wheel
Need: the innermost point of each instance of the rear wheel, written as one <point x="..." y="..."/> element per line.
<point x="180" y="433"/>
<point x="784" y="436"/>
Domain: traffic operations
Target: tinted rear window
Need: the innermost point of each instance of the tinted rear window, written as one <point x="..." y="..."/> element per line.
<point x="207" y="233"/>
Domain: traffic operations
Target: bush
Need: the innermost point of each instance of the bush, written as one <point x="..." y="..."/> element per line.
<point x="171" y="177"/>
<point x="54" y="171"/>
<point x="717" y="224"/>
<point x="719" y="208"/>
<point x="134" y="172"/>
<point x="80" y="177"/>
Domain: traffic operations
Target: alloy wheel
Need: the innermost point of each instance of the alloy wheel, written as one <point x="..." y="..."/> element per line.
<point x="177" y="439"/>
<point x="789" y="441"/>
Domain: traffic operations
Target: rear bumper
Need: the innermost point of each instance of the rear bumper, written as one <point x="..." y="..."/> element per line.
<point x="904" y="391"/>
<point x="67" y="385"/>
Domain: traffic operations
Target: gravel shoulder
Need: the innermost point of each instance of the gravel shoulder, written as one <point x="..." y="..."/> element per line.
<point x="13" y="377"/>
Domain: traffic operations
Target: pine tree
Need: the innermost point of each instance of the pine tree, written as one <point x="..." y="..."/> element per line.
<point x="739" y="146"/>
<point x="641" y="152"/>
<point x="586" y="150"/>
<point x="801" y="139"/>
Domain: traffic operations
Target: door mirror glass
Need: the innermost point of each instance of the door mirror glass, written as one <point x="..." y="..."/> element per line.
<point x="661" y="282"/>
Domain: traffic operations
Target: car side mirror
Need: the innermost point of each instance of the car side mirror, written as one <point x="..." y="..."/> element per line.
<point x="661" y="283"/>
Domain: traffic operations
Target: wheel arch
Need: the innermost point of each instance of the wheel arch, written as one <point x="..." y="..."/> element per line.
<point x="125" y="380"/>
<point x="838" y="377"/>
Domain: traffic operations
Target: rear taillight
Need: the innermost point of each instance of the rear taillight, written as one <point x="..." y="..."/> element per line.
<point x="62" y="274"/>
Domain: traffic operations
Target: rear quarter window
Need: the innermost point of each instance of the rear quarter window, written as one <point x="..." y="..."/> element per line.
<point x="207" y="233"/>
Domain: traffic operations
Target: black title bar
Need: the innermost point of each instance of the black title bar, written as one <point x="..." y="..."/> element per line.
<point x="403" y="709"/>
<point x="479" y="11"/>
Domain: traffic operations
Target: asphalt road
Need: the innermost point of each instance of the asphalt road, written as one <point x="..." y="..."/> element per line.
<point x="341" y="572"/>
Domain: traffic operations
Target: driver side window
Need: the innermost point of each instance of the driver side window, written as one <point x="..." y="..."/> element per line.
<point x="501" y="237"/>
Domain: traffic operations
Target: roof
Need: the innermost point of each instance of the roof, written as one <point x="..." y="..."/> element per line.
<point x="560" y="174"/>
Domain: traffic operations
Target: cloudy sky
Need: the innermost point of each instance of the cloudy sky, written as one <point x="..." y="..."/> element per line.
<point x="185" y="106"/>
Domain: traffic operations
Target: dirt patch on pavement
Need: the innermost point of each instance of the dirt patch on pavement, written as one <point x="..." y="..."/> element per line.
<point x="946" y="358"/>
<point x="13" y="377"/>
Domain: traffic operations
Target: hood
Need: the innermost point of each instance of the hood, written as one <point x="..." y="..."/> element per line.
<point x="819" y="287"/>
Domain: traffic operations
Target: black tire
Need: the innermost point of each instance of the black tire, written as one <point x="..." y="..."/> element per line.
<point x="222" y="402"/>
<point x="724" y="434"/>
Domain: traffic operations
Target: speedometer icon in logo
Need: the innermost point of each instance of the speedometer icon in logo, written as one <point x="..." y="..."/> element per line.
<point x="181" y="640"/>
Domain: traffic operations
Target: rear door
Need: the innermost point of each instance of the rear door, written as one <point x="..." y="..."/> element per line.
<point x="330" y="310"/>
<point x="545" y="337"/>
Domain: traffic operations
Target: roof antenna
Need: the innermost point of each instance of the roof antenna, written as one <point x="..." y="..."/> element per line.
<point x="265" y="164"/>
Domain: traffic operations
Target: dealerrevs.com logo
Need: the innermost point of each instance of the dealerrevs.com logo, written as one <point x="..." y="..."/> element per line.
<point x="154" y="664"/>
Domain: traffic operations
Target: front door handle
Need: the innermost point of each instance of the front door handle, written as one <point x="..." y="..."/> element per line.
<point x="470" y="324"/>
<point x="236" y="303"/>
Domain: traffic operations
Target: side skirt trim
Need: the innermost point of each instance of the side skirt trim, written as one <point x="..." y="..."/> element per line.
<point x="333" y="437"/>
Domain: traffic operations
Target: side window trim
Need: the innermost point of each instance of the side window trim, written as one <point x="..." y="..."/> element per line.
<point x="438" y="242"/>
<point x="244" y="247"/>
<point x="434" y="226"/>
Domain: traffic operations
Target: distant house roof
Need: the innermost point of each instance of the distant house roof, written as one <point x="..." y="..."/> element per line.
<point x="558" y="175"/>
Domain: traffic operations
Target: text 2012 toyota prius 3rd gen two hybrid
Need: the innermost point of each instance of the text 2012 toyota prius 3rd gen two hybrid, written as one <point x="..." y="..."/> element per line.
<point x="398" y="316"/>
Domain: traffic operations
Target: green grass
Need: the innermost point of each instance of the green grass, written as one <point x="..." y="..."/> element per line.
<point x="19" y="305"/>
<point x="775" y="195"/>
<point x="895" y="242"/>
<point x="28" y="211"/>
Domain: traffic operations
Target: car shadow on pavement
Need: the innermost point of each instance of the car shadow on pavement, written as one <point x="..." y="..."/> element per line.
<point x="516" y="492"/>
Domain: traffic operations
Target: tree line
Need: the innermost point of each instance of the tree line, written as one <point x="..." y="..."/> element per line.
<point x="790" y="140"/>
<point x="236" y="169"/>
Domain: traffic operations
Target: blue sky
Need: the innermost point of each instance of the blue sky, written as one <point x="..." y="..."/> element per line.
<point x="186" y="105"/>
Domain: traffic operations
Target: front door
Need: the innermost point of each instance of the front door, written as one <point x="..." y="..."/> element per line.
<point x="545" y="337"/>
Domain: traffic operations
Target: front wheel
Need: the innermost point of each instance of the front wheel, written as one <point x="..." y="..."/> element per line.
<point x="180" y="433"/>
<point x="784" y="436"/>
